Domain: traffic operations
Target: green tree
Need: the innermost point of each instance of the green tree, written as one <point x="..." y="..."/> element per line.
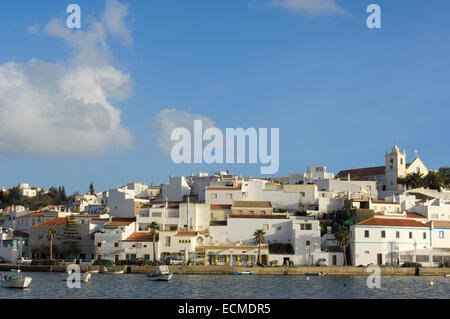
<point x="258" y="236"/>
<point x="343" y="237"/>
<point x="154" y="228"/>
<point x="433" y="180"/>
<point x="444" y="172"/>
<point x="51" y="233"/>
<point x="91" y="189"/>
<point x="71" y="237"/>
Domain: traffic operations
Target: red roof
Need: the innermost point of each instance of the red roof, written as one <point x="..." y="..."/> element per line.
<point x="374" y="221"/>
<point x="362" y="172"/>
<point x="214" y="206"/>
<point x="384" y="202"/>
<point x="238" y="187"/>
<point x="142" y="236"/>
<point x="54" y="222"/>
<point x="187" y="233"/>
<point x="119" y="221"/>
<point x="269" y="216"/>
<point x="414" y="215"/>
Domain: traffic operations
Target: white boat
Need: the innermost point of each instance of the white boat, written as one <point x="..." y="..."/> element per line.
<point x="15" y="281"/>
<point x="161" y="273"/>
<point x="85" y="277"/>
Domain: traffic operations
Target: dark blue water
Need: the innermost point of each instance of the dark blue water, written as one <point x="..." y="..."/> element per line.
<point x="108" y="286"/>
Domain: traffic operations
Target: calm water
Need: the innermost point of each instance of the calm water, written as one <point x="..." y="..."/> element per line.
<point x="52" y="285"/>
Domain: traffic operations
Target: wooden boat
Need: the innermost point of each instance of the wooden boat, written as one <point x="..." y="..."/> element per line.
<point x="161" y="273"/>
<point x="15" y="281"/>
<point x="314" y="274"/>
<point x="242" y="273"/>
<point x="447" y="275"/>
<point x="94" y="271"/>
<point x="117" y="272"/>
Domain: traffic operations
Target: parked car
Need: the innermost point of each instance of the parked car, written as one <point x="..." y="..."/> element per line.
<point x="321" y="262"/>
<point x="174" y="261"/>
<point x="23" y="260"/>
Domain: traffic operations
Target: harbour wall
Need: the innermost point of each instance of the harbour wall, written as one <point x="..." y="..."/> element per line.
<point x="226" y="270"/>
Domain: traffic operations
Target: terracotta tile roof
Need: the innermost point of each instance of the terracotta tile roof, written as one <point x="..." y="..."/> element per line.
<point x="374" y="221"/>
<point x="33" y="214"/>
<point x="414" y="215"/>
<point x="213" y="206"/>
<point x="187" y="233"/>
<point x="142" y="237"/>
<point x="270" y="216"/>
<point x="384" y="202"/>
<point x="119" y="221"/>
<point x="251" y="204"/>
<point x="54" y="222"/>
<point x="362" y="172"/>
<point x="441" y="224"/>
<point x="238" y="187"/>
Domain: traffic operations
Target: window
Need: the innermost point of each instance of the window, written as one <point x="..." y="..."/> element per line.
<point x="308" y="243"/>
<point x="116" y="245"/>
<point x="366" y="234"/>
<point x="424" y="235"/>
<point x="305" y="226"/>
<point x="229" y="195"/>
<point x="441" y="234"/>
<point x="156" y="214"/>
<point x="383" y="234"/>
<point x="410" y="235"/>
<point x="167" y="241"/>
<point x="99" y="244"/>
<point x="266" y="227"/>
<point x="213" y="196"/>
<point x="263" y="212"/>
<point x="397" y="234"/>
<point x="252" y="212"/>
<point x="302" y="194"/>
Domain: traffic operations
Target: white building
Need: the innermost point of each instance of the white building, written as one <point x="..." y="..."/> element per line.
<point x="434" y="209"/>
<point x="26" y="191"/>
<point x="383" y="241"/>
<point x="313" y="173"/>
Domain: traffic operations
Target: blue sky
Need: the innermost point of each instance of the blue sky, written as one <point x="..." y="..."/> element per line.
<point x="340" y="93"/>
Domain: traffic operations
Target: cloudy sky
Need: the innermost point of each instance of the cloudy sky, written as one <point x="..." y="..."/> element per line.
<point x="98" y="104"/>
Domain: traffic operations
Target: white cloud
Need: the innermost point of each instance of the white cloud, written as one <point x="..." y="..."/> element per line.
<point x="311" y="7"/>
<point x="65" y="108"/>
<point x="169" y="119"/>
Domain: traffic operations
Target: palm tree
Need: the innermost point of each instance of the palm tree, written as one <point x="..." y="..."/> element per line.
<point x="258" y="236"/>
<point x="51" y="233"/>
<point x="343" y="237"/>
<point x="415" y="179"/>
<point x="154" y="227"/>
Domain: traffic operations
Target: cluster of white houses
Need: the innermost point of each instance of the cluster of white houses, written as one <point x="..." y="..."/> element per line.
<point x="211" y="220"/>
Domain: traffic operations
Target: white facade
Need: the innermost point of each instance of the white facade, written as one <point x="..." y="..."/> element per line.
<point x="26" y="191"/>
<point x="435" y="209"/>
<point x="383" y="240"/>
<point x="313" y="173"/>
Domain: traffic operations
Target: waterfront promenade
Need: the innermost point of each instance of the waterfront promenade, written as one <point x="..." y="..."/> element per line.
<point x="227" y="270"/>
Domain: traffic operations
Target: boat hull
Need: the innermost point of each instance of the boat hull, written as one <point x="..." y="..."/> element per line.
<point x="161" y="277"/>
<point x="19" y="283"/>
<point x="242" y="273"/>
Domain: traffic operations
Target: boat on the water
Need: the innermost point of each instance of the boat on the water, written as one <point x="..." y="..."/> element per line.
<point x="242" y="273"/>
<point x="117" y="272"/>
<point x="314" y="274"/>
<point x="15" y="281"/>
<point x="161" y="273"/>
<point x="86" y="276"/>
<point x="447" y="275"/>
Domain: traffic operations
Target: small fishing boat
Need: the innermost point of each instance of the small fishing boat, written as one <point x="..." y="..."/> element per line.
<point x="161" y="273"/>
<point x="314" y="274"/>
<point x="94" y="271"/>
<point x="85" y="277"/>
<point x="242" y="273"/>
<point x="447" y="275"/>
<point x="15" y="281"/>
<point x="117" y="272"/>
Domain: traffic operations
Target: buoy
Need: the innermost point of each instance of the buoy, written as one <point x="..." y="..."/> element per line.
<point x="431" y="283"/>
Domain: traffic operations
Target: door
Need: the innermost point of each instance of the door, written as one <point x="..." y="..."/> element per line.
<point x="379" y="259"/>
<point x="264" y="259"/>
<point x="334" y="260"/>
<point x="116" y="258"/>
